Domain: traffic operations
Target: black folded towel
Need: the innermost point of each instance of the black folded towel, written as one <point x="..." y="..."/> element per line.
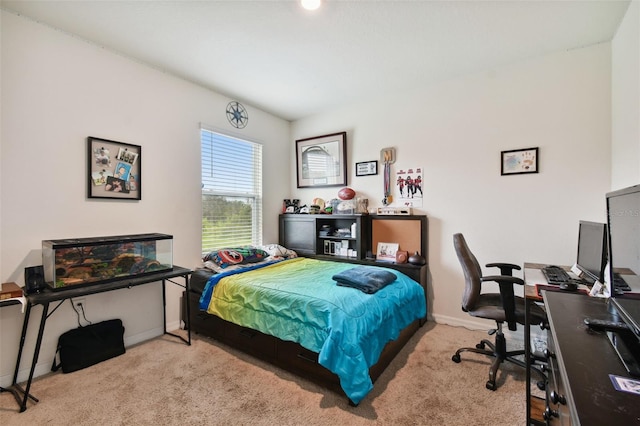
<point x="368" y="279"/>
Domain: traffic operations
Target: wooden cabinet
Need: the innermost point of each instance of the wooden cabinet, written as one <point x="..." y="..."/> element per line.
<point x="330" y="235"/>
<point x="349" y="238"/>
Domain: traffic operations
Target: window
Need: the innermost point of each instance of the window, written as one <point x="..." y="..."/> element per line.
<point x="231" y="191"/>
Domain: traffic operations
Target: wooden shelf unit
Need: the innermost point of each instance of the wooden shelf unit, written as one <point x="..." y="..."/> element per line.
<point x="301" y="232"/>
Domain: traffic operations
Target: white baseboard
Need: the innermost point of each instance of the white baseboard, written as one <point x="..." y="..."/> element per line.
<point x="466" y="323"/>
<point x="516" y="336"/>
<point x="174" y="325"/>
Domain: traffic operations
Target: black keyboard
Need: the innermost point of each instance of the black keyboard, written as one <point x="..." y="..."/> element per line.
<point x="555" y="275"/>
<point x="620" y="284"/>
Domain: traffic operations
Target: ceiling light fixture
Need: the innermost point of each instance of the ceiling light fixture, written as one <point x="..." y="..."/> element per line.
<point x="310" y="4"/>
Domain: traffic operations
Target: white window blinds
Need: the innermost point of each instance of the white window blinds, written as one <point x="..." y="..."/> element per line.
<point x="231" y="191"/>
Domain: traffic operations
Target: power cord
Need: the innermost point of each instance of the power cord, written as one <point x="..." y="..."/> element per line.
<point x="73" y="305"/>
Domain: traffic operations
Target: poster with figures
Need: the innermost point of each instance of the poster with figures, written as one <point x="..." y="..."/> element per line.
<point x="408" y="187"/>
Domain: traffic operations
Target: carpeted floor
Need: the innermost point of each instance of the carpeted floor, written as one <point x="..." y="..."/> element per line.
<point x="165" y="382"/>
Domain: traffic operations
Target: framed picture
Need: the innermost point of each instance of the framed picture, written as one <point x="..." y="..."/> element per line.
<point x="367" y="168"/>
<point x="114" y="169"/>
<point x="387" y="252"/>
<point x="519" y="161"/>
<point x="322" y="161"/>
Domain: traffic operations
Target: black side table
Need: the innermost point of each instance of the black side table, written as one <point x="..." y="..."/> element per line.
<point x="47" y="296"/>
<point x="16" y="394"/>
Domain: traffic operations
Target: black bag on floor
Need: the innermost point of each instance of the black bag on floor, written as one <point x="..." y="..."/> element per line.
<point x="85" y="346"/>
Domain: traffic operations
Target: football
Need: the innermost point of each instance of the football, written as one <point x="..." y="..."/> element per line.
<point x="346" y="193"/>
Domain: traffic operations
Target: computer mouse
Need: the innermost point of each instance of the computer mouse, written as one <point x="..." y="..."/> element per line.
<point x="569" y="286"/>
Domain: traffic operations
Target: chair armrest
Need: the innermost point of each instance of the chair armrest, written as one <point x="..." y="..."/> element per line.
<point x="507" y="296"/>
<point x="507" y="279"/>
<point x="505" y="268"/>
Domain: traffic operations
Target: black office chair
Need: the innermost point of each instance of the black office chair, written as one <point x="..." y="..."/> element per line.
<point x="501" y="307"/>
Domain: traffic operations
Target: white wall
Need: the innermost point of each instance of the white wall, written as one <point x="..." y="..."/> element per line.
<point x="56" y="91"/>
<point x="625" y="67"/>
<point x="456" y="130"/>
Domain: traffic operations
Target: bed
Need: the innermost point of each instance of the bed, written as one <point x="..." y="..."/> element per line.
<point x="292" y="312"/>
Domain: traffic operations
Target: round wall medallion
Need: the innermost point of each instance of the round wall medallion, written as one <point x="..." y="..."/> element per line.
<point x="237" y="115"/>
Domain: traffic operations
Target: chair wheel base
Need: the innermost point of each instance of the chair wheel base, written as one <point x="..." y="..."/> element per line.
<point x="480" y="345"/>
<point x="456" y="358"/>
<point x="491" y="385"/>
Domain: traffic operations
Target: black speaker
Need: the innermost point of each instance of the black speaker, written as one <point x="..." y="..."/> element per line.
<point x="34" y="279"/>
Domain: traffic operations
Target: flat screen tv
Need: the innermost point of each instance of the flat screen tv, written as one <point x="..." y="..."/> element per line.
<point x="623" y="222"/>
<point x="592" y="250"/>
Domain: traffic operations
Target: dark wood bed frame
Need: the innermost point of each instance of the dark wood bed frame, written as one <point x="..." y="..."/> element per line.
<point x="288" y="355"/>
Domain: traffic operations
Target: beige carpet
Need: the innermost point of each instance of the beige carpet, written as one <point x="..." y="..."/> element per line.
<point x="165" y="382"/>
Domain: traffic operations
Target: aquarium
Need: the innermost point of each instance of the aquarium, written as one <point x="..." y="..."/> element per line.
<point x="81" y="261"/>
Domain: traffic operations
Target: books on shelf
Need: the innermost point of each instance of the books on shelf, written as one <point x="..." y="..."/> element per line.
<point x="10" y="290"/>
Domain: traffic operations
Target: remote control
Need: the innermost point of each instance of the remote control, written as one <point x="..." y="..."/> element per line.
<point x="604" y="325"/>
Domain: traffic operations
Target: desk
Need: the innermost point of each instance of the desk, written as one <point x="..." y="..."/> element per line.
<point x="535" y="405"/>
<point x="533" y="275"/>
<point x="580" y="363"/>
<point x="47" y="296"/>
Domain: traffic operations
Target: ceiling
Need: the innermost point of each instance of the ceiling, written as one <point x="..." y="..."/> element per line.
<point x="294" y="63"/>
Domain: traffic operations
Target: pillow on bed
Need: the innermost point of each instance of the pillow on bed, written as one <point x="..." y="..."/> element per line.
<point x="276" y="250"/>
<point x="212" y="266"/>
<point x="226" y="257"/>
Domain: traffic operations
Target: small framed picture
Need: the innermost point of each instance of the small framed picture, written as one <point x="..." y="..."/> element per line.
<point x="625" y="384"/>
<point x="367" y="168"/>
<point x="387" y="252"/>
<point x="519" y="161"/>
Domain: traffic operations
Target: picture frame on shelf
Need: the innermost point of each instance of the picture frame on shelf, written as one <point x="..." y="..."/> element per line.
<point x="113" y="169"/>
<point x="322" y="161"/>
<point x="519" y="161"/>
<point x="386" y="252"/>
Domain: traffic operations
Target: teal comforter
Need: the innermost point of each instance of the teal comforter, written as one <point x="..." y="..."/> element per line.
<point x="297" y="300"/>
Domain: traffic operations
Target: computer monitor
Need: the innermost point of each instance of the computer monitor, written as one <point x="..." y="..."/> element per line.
<point x="592" y="250"/>
<point x="623" y="220"/>
<point x="623" y="223"/>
